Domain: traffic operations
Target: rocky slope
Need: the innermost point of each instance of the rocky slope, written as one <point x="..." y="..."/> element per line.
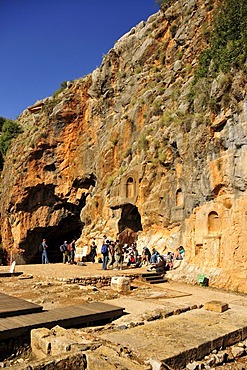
<point x="131" y="146"/>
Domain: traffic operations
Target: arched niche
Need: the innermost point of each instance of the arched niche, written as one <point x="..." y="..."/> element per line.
<point x="213" y="222"/>
<point x="179" y="198"/>
<point x="130" y="187"/>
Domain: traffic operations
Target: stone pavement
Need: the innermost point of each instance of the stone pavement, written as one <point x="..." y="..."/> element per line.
<point x="178" y="330"/>
<point x="166" y="322"/>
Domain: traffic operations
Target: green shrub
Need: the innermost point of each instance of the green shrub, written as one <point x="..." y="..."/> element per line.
<point x="111" y="180"/>
<point x="128" y="152"/>
<point x="228" y="42"/>
<point x="143" y="142"/>
<point x="204" y="63"/>
<point x="214" y="107"/>
<point x="161" y="156"/>
<point x="10" y="130"/>
<point x="162" y="58"/>
<point x="63" y="86"/>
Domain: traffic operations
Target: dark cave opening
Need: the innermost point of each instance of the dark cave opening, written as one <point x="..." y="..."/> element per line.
<point x="68" y="229"/>
<point x="130" y="218"/>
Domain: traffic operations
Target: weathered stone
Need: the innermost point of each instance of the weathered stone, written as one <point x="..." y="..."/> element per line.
<point x="40" y="340"/>
<point x="216" y="306"/>
<point x="193" y="366"/>
<point x="120" y="284"/>
<point x="237" y="351"/>
<point x="177" y="65"/>
<point x="156" y="365"/>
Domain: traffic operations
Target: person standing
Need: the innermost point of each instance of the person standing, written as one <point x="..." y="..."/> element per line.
<point x="44" y="247"/>
<point x="93" y="251"/>
<point x="111" y="259"/>
<point x="64" y="250"/>
<point x="72" y="249"/>
<point x="118" y="255"/>
<point x="105" y="253"/>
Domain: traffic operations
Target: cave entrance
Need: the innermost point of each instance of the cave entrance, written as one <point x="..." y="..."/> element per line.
<point x="68" y="229"/>
<point x="130" y="218"/>
<point x="69" y="226"/>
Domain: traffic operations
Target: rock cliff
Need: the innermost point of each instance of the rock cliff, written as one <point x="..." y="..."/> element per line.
<point x="129" y="146"/>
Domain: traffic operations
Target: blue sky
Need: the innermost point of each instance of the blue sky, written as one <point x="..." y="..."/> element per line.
<point x="46" y="42"/>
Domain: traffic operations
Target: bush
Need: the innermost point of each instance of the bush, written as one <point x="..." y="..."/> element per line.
<point x="63" y="86"/>
<point x="228" y="43"/>
<point x="10" y="130"/>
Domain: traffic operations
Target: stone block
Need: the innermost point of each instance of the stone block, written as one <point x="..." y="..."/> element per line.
<point x="244" y="333"/>
<point x="120" y="284"/>
<point x="238" y="352"/>
<point x="233" y="337"/>
<point x="203" y="350"/>
<point x="216" y="306"/>
<point x="60" y="345"/>
<point x="40" y="340"/>
<point x="217" y="343"/>
<point x="97" y="362"/>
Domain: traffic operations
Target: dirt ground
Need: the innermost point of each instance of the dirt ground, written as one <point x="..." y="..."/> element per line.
<point x="46" y="285"/>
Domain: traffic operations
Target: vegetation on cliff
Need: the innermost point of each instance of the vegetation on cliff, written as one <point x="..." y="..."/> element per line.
<point x="228" y="42"/>
<point x="224" y="56"/>
<point x="8" y="131"/>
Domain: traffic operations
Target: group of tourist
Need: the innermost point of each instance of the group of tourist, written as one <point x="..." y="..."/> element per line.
<point x="67" y="249"/>
<point x="162" y="263"/>
<point x="114" y="255"/>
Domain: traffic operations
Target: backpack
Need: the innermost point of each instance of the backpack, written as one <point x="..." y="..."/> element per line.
<point x="104" y="248"/>
<point x="40" y="248"/>
<point x="63" y="248"/>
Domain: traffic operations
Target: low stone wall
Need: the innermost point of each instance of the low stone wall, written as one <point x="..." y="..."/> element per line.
<point x="98" y="281"/>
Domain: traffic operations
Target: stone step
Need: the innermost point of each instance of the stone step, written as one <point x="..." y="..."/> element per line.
<point x="156" y="277"/>
<point x="148" y="274"/>
<point x="157" y="281"/>
<point x="153" y="278"/>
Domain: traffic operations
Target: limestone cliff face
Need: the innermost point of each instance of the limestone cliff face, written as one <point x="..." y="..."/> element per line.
<point x="127" y="147"/>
